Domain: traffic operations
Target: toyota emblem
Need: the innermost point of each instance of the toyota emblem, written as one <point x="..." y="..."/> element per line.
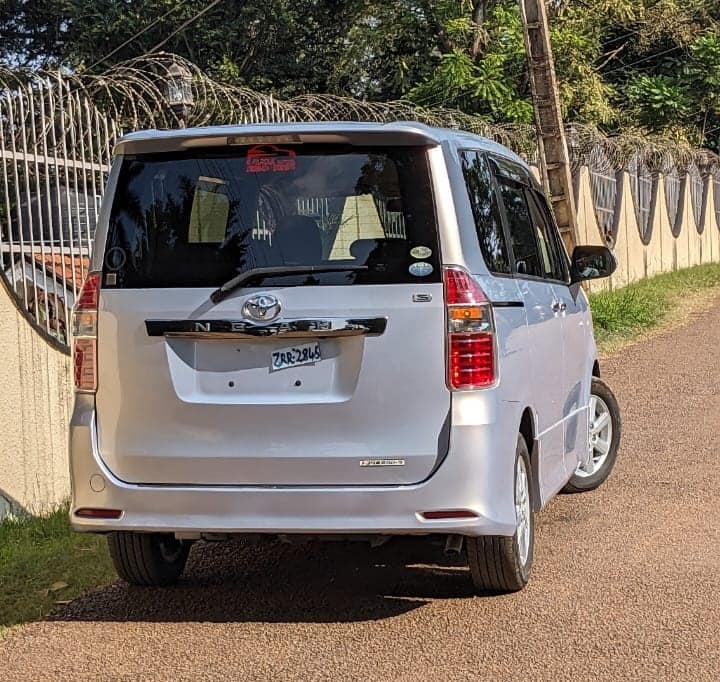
<point x="261" y="308"/>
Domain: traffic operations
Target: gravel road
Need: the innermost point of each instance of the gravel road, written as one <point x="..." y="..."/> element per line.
<point x="626" y="583"/>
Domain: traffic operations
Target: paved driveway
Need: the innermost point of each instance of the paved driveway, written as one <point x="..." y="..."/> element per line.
<point x="626" y="583"/>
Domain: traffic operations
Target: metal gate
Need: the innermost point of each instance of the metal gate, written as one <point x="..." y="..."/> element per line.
<point x="55" y="151"/>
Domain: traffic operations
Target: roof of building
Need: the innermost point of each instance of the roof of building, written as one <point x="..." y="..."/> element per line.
<point x="67" y="270"/>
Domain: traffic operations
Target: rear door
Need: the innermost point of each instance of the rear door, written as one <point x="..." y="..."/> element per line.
<point x="298" y="377"/>
<point x="575" y="318"/>
<point x="544" y="323"/>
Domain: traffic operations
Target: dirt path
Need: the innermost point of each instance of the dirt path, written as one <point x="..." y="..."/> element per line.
<point x="626" y="583"/>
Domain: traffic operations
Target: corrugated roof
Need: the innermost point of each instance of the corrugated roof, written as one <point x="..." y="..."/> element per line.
<point x="68" y="270"/>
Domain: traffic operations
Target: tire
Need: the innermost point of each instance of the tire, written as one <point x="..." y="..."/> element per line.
<point x="602" y="401"/>
<point x="497" y="563"/>
<point x="148" y="558"/>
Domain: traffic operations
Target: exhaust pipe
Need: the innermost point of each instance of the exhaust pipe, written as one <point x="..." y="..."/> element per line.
<point x="453" y="545"/>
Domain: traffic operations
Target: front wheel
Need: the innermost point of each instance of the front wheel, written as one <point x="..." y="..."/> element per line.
<point x="500" y="564"/>
<point x="604" y="427"/>
<point x="148" y="558"/>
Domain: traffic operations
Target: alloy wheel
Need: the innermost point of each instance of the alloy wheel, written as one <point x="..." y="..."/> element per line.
<point x="599" y="437"/>
<point x="522" y="511"/>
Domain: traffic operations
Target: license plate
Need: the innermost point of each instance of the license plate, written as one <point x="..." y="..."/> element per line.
<point x="293" y="356"/>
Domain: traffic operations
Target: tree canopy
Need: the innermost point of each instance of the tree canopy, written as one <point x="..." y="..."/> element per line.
<point x="645" y="65"/>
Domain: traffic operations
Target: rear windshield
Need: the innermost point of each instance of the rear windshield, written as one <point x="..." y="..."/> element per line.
<point x="199" y="219"/>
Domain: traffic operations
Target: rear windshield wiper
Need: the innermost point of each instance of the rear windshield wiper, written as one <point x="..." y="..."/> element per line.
<point x="279" y="271"/>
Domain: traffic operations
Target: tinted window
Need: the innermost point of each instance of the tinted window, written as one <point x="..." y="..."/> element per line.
<point x="198" y="219"/>
<point x="555" y="233"/>
<point x="522" y="232"/>
<point x="509" y="170"/>
<point x="549" y="254"/>
<point x="485" y="211"/>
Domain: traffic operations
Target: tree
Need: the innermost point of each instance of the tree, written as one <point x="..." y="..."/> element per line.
<point x="650" y="65"/>
<point x="281" y="45"/>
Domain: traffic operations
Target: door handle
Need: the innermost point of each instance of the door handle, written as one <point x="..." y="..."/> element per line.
<point x="559" y="307"/>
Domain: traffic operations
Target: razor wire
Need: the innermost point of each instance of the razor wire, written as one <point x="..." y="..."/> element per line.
<point x="58" y="129"/>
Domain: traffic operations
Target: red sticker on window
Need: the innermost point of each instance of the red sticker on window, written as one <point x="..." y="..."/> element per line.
<point x="267" y="158"/>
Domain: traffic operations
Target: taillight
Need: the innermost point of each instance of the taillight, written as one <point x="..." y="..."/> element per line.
<point x="471" y="332"/>
<point x="84" y="329"/>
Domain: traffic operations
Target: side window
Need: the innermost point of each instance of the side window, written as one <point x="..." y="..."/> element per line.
<point x="510" y="170"/>
<point x="555" y="233"/>
<point x="550" y="256"/>
<point x="522" y="231"/>
<point x="485" y="211"/>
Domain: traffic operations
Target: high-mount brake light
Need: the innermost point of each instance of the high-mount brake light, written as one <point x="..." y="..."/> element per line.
<point x="84" y="331"/>
<point x="471" y="332"/>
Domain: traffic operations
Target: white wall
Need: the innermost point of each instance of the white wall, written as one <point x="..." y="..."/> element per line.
<point x="664" y="252"/>
<point x="35" y="391"/>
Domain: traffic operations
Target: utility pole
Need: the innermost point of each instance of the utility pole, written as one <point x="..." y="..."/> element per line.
<point x="554" y="158"/>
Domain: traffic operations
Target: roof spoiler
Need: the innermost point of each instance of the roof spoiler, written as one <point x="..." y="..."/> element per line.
<point x="203" y="138"/>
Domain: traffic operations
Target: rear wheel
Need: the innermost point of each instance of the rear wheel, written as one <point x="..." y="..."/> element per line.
<point x="603" y="440"/>
<point x="501" y="564"/>
<point x="148" y="558"/>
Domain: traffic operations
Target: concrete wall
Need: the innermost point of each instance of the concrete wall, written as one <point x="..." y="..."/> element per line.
<point x="35" y="390"/>
<point x="35" y="376"/>
<point x="664" y="252"/>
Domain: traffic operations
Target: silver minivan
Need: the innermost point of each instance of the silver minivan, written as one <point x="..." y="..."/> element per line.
<point x="336" y="330"/>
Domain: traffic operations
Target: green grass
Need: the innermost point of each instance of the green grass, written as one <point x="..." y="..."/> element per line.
<point x="624" y="314"/>
<point x="43" y="564"/>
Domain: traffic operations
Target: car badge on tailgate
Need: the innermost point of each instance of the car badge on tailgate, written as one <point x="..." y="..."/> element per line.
<point x="382" y="462"/>
<point x="261" y="308"/>
<point x="422" y="298"/>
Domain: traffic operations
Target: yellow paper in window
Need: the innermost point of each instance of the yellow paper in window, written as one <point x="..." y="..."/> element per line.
<point x="209" y="214"/>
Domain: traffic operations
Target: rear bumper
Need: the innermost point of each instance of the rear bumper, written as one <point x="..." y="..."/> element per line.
<point x="476" y="476"/>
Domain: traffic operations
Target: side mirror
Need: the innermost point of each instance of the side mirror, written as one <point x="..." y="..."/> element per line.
<point x="591" y="262"/>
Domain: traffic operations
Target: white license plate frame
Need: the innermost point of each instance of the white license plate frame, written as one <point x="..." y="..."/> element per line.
<point x="295" y="356"/>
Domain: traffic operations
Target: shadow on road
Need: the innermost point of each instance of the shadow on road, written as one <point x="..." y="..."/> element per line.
<point x="276" y="583"/>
